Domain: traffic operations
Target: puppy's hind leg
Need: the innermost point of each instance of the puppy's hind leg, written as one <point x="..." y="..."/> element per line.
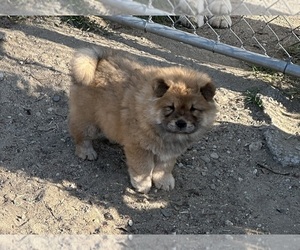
<point x="85" y="150"/>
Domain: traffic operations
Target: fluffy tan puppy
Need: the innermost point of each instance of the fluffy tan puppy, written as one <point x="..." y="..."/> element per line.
<point x="155" y="113"/>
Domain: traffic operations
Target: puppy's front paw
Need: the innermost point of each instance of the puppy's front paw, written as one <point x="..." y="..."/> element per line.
<point x="86" y="152"/>
<point x="141" y="184"/>
<point x="164" y="181"/>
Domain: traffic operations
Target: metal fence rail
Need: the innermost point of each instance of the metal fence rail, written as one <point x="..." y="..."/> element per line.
<point x="263" y="56"/>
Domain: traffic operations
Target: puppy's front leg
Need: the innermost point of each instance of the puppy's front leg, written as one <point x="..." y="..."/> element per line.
<point x="162" y="174"/>
<point x="140" y="164"/>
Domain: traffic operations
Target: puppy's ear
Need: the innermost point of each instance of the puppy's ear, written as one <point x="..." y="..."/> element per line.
<point x="208" y="91"/>
<point x="160" y="87"/>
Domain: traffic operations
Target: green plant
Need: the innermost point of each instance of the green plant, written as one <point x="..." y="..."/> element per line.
<point x="81" y="22"/>
<point x="252" y="97"/>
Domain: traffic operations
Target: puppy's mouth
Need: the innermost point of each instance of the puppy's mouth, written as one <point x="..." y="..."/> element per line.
<point x="180" y="127"/>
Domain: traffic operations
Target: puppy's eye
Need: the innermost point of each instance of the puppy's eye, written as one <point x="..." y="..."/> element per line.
<point x="169" y="109"/>
<point x="193" y="108"/>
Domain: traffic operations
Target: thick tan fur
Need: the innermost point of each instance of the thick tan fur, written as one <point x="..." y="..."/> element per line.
<point x="154" y="113"/>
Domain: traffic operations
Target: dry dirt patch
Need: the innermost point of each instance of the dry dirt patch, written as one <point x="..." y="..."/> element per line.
<point x="229" y="182"/>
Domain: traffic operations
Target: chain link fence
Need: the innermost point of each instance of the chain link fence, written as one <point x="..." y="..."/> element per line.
<point x="271" y="42"/>
<point x="262" y="32"/>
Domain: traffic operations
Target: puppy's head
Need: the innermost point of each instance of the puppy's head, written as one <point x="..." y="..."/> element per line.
<point x="184" y="101"/>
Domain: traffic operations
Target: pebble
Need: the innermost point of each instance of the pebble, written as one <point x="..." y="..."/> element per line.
<point x="213" y="186"/>
<point x="108" y="216"/>
<point x="130" y="223"/>
<point x="56" y="98"/>
<point x="165" y="212"/>
<point x="214" y="155"/>
<point x="228" y="223"/>
<point x="1" y="76"/>
<point x="180" y="165"/>
<point x="255" y="146"/>
<point x="205" y="159"/>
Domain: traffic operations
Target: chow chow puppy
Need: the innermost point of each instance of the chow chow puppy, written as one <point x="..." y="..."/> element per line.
<point x="155" y="113"/>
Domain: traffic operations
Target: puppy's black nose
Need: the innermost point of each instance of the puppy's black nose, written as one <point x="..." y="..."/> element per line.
<point x="180" y="124"/>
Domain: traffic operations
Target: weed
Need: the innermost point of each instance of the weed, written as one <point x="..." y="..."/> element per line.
<point x="84" y="23"/>
<point x="252" y="97"/>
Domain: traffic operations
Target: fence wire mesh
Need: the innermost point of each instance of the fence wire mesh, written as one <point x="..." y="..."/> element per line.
<point x="267" y="27"/>
<point x="268" y="41"/>
<point x="272" y="36"/>
<point x="260" y="30"/>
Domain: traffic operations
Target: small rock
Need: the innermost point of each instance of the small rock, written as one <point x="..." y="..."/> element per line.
<point x="255" y="146"/>
<point x="108" y="216"/>
<point x="130" y="223"/>
<point x="213" y="186"/>
<point x="180" y="165"/>
<point x="1" y="76"/>
<point x="283" y="146"/>
<point x="56" y="98"/>
<point x="165" y="212"/>
<point x="214" y="155"/>
<point x="228" y="223"/>
<point x="205" y="159"/>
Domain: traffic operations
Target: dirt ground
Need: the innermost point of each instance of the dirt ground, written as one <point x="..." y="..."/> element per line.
<point x="227" y="183"/>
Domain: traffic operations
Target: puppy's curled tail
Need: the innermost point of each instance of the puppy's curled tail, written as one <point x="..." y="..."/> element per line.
<point x="84" y="64"/>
